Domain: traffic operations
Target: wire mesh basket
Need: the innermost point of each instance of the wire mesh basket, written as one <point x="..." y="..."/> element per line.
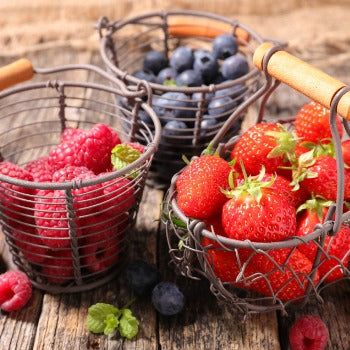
<point x="267" y="276"/>
<point x="191" y="112"/>
<point x="66" y="224"/>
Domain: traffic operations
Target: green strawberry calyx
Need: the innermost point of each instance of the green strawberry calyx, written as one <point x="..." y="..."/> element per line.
<point x="251" y="185"/>
<point x="315" y="203"/>
<point x="322" y="148"/>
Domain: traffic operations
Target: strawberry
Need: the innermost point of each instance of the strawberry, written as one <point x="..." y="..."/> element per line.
<point x="312" y="123"/>
<point x="258" y="212"/>
<point x="345" y="145"/>
<point x="199" y="186"/>
<point x="338" y="247"/>
<point x="263" y="145"/>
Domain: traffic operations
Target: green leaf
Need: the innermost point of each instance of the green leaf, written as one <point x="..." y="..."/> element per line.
<point x="169" y="82"/>
<point x="128" y="324"/>
<point x="97" y="316"/>
<point x="123" y="155"/>
<point x="112" y="323"/>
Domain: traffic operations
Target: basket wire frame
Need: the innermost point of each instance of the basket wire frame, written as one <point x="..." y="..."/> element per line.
<point x="194" y="260"/>
<point x="84" y="224"/>
<point x="122" y="51"/>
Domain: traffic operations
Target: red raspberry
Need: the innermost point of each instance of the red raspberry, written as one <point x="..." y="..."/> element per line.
<point x="308" y="333"/>
<point x="15" y="290"/>
<point x="118" y="195"/>
<point x="137" y="146"/>
<point x="16" y="200"/>
<point x="69" y="172"/>
<point x="58" y="267"/>
<point x="40" y="169"/>
<point x="70" y="134"/>
<point x="90" y="148"/>
<point x="29" y="243"/>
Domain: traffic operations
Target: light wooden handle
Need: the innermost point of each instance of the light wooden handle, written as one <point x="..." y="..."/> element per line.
<point x="15" y="73"/>
<point x="304" y="78"/>
<point x="184" y="27"/>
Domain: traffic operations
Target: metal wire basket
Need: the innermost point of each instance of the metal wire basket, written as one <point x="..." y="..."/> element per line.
<point x="203" y="109"/>
<point x="194" y="245"/>
<point x="69" y="235"/>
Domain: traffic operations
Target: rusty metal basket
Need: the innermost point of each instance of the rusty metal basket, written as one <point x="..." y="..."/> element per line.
<point x="195" y="258"/>
<point x="69" y="236"/>
<point x="123" y="45"/>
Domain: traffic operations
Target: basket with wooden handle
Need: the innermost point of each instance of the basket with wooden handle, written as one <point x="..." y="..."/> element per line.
<point x="200" y="107"/>
<point x="279" y="272"/>
<point x="65" y="207"/>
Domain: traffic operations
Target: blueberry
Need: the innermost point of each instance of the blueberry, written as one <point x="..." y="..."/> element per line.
<point x="198" y="96"/>
<point x="207" y="124"/>
<point x="218" y="79"/>
<point x="232" y="91"/>
<point x="234" y="67"/>
<point x="221" y="105"/>
<point x="144" y="75"/>
<point x="189" y="78"/>
<point x="154" y="61"/>
<point x="174" y="128"/>
<point x="171" y="105"/>
<point x="224" y="46"/>
<point x="167" y="73"/>
<point x="182" y="58"/>
<point x="206" y="65"/>
<point x="167" y="298"/>
<point x="141" y="277"/>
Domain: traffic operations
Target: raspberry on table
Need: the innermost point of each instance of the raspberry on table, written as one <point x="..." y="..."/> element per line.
<point x="308" y="333"/>
<point x="15" y="290"/>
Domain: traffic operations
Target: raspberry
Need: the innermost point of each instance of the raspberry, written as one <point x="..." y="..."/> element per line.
<point x="89" y="148"/>
<point x="58" y="267"/>
<point x="15" y="199"/>
<point x="308" y="333"/>
<point x="40" y="169"/>
<point x="29" y="243"/>
<point x="15" y="290"/>
<point x="69" y="172"/>
<point x="136" y="145"/>
<point x="70" y="134"/>
<point x="118" y="195"/>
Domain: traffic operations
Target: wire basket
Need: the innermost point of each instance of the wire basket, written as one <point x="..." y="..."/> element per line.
<point x="69" y="234"/>
<point x="200" y="110"/>
<point x="200" y="249"/>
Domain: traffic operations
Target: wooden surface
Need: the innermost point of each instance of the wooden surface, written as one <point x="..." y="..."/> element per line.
<point x="58" y="321"/>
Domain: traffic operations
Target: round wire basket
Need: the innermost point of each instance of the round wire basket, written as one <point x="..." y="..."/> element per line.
<point x="199" y="110"/>
<point x="69" y="233"/>
<point x="197" y="250"/>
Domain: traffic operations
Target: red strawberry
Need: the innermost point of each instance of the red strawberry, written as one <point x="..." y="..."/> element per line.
<point x="312" y="123"/>
<point x="40" y="169"/>
<point x="263" y="145"/>
<point x="345" y="145"/>
<point x="199" y="187"/>
<point x="258" y="213"/>
<point x="337" y="247"/>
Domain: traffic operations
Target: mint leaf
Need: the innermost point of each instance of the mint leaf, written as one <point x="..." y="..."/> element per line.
<point x="123" y="155"/>
<point x="112" y="322"/>
<point x="97" y="316"/>
<point x="128" y="324"/>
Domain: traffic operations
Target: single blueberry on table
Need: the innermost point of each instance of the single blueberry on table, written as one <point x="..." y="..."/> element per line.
<point x="189" y="78"/>
<point x="141" y="277"/>
<point x="167" y="73"/>
<point x="154" y="61"/>
<point x="182" y="58"/>
<point x="144" y="75"/>
<point x="224" y="46"/>
<point x="221" y="105"/>
<point x="206" y="65"/>
<point x="167" y="298"/>
<point x="234" y="67"/>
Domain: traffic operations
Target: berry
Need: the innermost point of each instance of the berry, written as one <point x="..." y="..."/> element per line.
<point x="69" y="172"/>
<point x="312" y="123"/>
<point x="234" y="67"/>
<point x="199" y="187"/>
<point x="181" y="58"/>
<point x="189" y="78"/>
<point x="70" y="134"/>
<point x="58" y="266"/>
<point x="205" y="65"/>
<point x="209" y="126"/>
<point x="154" y="61"/>
<point x="40" y="169"/>
<point x="141" y="277"/>
<point x="197" y="97"/>
<point x="221" y="105"/>
<point x="15" y="290"/>
<point x="175" y="128"/>
<point x="167" y="298"/>
<point x="136" y="145"/>
<point x="233" y="92"/>
<point x="308" y="333"/>
<point x="145" y="75"/>
<point x="345" y="145"/>
<point x="166" y="74"/>
<point x="224" y="46"/>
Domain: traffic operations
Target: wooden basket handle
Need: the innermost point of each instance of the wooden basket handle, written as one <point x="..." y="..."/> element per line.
<point x="15" y="72"/>
<point x="303" y="77"/>
<point x="184" y="27"/>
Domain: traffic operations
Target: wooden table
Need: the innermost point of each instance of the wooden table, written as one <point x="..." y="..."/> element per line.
<point x="58" y="321"/>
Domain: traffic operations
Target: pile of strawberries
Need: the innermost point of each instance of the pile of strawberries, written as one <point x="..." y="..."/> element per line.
<point x="278" y="185"/>
<point x="42" y="228"/>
